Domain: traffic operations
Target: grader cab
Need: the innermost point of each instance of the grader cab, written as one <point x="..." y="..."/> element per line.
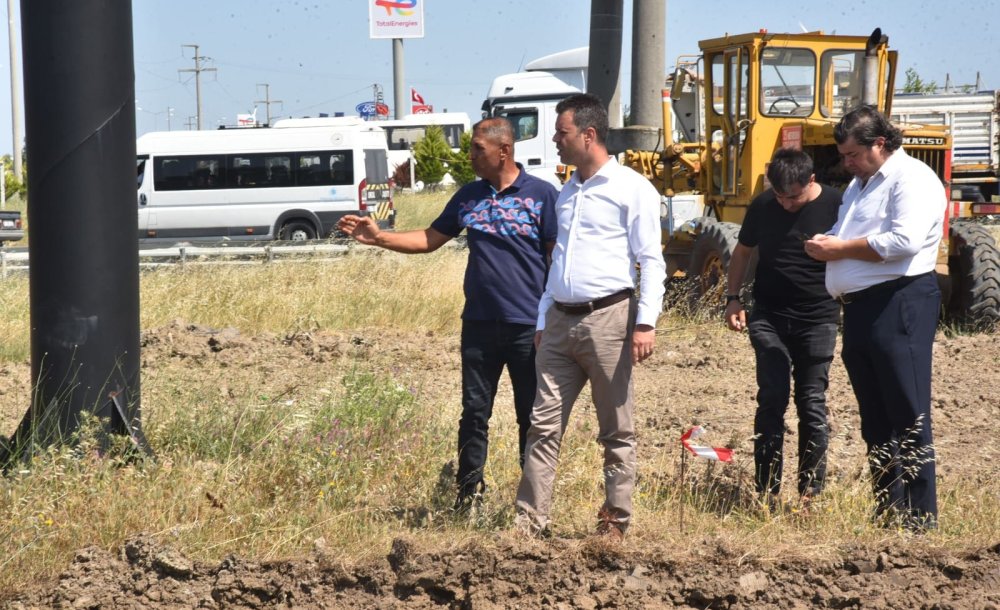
<point x="727" y="111"/>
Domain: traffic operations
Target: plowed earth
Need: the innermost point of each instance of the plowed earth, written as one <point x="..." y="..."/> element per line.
<point x="686" y="381"/>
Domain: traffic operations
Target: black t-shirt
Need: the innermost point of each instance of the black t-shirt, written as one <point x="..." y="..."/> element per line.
<point x="789" y="282"/>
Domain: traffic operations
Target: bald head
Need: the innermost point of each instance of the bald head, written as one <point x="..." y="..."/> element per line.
<point x="497" y="129"/>
<point x="492" y="152"/>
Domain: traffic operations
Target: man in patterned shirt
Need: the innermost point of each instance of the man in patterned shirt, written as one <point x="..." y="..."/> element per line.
<point x="511" y="229"/>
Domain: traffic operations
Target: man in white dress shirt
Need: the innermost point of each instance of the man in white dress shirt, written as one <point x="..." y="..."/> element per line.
<point x="880" y="258"/>
<point x="590" y="324"/>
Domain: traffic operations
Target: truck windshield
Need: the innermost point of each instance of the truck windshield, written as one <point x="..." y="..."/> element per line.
<point x="524" y="121"/>
<point x="787" y="82"/>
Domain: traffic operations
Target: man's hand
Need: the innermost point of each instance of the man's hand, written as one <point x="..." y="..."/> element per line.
<point x="824" y="247"/>
<point x="538" y="339"/>
<point x="364" y="229"/>
<point x="736" y="316"/>
<point x="643" y="338"/>
<point x="829" y="248"/>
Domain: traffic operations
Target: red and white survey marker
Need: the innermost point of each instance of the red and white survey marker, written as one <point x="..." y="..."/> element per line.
<point x="721" y="454"/>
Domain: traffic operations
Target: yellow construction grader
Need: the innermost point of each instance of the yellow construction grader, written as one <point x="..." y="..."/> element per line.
<point x="727" y="110"/>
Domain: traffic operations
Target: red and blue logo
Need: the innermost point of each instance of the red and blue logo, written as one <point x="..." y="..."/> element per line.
<point x="403" y="8"/>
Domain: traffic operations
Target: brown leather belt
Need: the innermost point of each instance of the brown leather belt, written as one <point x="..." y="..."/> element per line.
<point x="899" y="282"/>
<point x="576" y="309"/>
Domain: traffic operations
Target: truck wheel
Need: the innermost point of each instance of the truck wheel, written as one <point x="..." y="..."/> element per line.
<point x="296" y="230"/>
<point x="713" y="249"/>
<point x="975" y="278"/>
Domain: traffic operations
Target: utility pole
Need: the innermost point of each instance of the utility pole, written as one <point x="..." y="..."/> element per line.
<point x="198" y="69"/>
<point x="605" y="55"/>
<point x="399" y="95"/>
<point x="190" y="123"/>
<point x="79" y="100"/>
<point x="170" y="111"/>
<point x="15" y="92"/>
<point x="267" y="101"/>
<point x="649" y="23"/>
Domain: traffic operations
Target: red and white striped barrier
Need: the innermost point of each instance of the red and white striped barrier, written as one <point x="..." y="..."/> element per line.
<point x="721" y="454"/>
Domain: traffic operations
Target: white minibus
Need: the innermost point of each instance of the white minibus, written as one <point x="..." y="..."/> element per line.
<point x="292" y="181"/>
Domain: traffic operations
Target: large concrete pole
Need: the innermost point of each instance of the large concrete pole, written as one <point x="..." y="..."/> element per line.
<point x="605" y="55"/>
<point x="649" y="22"/>
<point x="398" y="86"/>
<point x="648" y="39"/>
<point x="84" y="282"/>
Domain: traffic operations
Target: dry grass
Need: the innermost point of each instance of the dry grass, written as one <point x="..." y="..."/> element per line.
<point x="418" y="210"/>
<point x="352" y="451"/>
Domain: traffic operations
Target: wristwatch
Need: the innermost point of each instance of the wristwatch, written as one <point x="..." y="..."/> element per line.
<point x="732" y="297"/>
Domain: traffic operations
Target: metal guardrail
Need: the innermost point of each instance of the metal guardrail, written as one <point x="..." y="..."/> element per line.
<point x="15" y="260"/>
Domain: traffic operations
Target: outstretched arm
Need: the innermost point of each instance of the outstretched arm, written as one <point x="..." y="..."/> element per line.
<point x="365" y="230"/>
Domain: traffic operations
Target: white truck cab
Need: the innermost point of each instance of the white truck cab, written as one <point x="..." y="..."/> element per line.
<point x="528" y="100"/>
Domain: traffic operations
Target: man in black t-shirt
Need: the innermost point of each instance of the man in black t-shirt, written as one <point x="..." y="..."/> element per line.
<point x="793" y="325"/>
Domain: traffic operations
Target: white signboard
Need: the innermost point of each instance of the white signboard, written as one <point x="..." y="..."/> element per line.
<point x="396" y="18"/>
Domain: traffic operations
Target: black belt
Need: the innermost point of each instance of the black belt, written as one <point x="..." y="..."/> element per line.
<point x="576" y="309"/>
<point x="882" y="287"/>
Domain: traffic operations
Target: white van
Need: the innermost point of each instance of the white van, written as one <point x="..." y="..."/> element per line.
<point x="292" y="181"/>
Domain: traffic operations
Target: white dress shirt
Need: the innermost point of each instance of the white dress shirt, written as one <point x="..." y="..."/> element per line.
<point x="901" y="212"/>
<point x="607" y="225"/>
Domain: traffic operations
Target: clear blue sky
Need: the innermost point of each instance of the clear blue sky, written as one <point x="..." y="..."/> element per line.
<point x="317" y="57"/>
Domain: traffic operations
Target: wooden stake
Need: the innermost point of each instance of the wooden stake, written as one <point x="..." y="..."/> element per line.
<point x="683" y="496"/>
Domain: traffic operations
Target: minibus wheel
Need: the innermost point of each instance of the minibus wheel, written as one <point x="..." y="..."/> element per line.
<point x="297" y="230"/>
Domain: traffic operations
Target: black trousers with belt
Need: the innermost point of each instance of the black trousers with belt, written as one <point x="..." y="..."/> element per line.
<point x="487" y="347"/>
<point x="888" y="338"/>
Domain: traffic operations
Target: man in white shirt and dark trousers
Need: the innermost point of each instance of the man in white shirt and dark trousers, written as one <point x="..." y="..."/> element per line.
<point x="880" y="258"/>
<point x="590" y="323"/>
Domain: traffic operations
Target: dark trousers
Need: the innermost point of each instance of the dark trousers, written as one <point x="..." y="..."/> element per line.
<point x="888" y="337"/>
<point x="787" y="350"/>
<point x="486" y="348"/>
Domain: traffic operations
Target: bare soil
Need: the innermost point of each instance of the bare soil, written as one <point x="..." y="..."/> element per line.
<point x="705" y="377"/>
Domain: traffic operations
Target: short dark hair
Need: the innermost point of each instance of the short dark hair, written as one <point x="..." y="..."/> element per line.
<point x="588" y="111"/>
<point x="866" y="124"/>
<point x="789" y="166"/>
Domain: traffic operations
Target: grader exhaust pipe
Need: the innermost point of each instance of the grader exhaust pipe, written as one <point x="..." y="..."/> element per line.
<point x="870" y="87"/>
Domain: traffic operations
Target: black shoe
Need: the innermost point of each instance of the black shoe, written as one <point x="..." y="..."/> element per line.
<point x="469" y="499"/>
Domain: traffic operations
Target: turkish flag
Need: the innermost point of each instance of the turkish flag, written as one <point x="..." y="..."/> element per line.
<point x="416" y="97"/>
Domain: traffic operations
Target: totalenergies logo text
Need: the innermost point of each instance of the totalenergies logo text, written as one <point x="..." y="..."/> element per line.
<point x="403" y="8"/>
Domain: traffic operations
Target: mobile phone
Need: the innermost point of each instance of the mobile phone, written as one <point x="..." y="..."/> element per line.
<point x="801" y="235"/>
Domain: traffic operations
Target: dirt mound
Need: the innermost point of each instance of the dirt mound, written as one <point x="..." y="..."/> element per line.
<point x="705" y="377"/>
<point x="565" y="574"/>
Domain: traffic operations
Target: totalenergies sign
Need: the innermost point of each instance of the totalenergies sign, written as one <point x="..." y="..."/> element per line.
<point x="396" y="18"/>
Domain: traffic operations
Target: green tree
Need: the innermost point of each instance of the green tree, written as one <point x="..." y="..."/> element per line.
<point x="915" y="84"/>
<point x="460" y="166"/>
<point x="432" y="154"/>
<point x="12" y="184"/>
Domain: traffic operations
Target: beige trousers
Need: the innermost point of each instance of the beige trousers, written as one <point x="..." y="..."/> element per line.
<point x="574" y="348"/>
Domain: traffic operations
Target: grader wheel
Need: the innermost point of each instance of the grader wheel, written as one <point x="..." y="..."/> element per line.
<point x="975" y="273"/>
<point x="710" y="263"/>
